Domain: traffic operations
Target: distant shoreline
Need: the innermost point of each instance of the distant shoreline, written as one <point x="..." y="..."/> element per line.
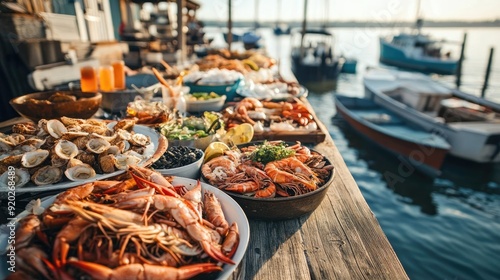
<point x="358" y="24"/>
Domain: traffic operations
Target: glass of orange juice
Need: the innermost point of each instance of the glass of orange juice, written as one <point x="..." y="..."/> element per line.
<point x="106" y="78"/>
<point x="88" y="79"/>
<point x="119" y="74"/>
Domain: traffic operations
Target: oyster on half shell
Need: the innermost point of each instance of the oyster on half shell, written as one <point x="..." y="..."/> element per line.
<point x="123" y="161"/>
<point x="34" y="158"/>
<point x="98" y="145"/>
<point x="80" y="172"/>
<point x="21" y="178"/>
<point x="56" y="128"/>
<point x="66" y="149"/>
<point x="139" y="139"/>
<point x="47" y="175"/>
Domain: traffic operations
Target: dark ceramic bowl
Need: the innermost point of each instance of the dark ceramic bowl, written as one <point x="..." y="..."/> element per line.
<point x="282" y="208"/>
<point x="85" y="106"/>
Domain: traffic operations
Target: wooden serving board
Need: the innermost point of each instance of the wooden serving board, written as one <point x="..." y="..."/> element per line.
<point x="316" y="136"/>
<point x="300" y="134"/>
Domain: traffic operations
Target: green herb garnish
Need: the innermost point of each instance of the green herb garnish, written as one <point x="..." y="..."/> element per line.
<point x="267" y="152"/>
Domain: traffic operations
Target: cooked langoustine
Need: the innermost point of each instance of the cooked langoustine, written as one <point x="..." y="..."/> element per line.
<point x="219" y="169"/>
<point x="116" y="240"/>
<point x="291" y="173"/>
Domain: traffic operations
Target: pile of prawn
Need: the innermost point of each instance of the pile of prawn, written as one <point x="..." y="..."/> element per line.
<point x="138" y="228"/>
<point x="235" y="171"/>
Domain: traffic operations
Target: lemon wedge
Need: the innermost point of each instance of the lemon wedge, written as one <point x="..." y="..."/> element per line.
<point x="240" y="134"/>
<point x="214" y="150"/>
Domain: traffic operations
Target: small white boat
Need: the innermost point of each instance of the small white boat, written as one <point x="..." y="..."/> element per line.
<point x="470" y="124"/>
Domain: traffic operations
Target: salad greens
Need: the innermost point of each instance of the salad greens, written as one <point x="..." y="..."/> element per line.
<point x="192" y="127"/>
<point x="267" y="152"/>
<point x="202" y="96"/>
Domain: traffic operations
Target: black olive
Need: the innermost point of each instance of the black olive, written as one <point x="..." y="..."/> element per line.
<point x="177" y="156"/>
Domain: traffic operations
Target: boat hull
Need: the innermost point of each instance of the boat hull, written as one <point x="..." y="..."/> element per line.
<point x="476" y="141"/>
<point x="394" y="56"/>
<point x="424" y="157"/>
<point x="317" y="77"/>
<point x="349" y="66"/>
<point x="235" y="38"/>
<point x="282" y="30"/>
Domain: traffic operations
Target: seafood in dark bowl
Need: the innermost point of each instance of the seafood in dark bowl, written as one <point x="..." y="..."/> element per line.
<point x="272" y="180"/>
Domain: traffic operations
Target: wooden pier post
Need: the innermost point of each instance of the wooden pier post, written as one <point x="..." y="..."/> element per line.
<point x="230" y="25"/>
<point x="181" y="36"/>
<point x="461" y="59"/>
<point x="304" y="27"/>
<point x="488" y="70"/>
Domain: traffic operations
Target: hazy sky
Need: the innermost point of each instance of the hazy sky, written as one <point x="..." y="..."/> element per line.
<point x="344" y="10"/>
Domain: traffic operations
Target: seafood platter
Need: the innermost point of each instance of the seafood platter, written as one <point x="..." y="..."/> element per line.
<point x="288" y="120"/>
<point x="244" y="63"/>
<point x="271" y="180"/>
<point x="271" y="89"/>
<point x="62" y="153"/>
<point x="182" y="161"/>
<point x="143" y="227"/>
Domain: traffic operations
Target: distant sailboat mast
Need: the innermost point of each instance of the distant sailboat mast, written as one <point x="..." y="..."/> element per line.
<point x="256" y="24"/>
<point x="326" y="10"/>
<point x="278" y="14"/>
<point x="419" y="20"/>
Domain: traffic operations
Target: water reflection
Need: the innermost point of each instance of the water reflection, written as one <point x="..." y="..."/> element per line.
<point x="476" y="185"/>
<point x="412" y="187"/>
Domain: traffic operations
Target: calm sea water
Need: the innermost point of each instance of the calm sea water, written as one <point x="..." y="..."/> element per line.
<point x="442" y="228"/>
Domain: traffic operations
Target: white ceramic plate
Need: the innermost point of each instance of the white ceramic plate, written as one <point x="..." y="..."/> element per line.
<point x="152" y="150"/>
<point x="231" y="209"/>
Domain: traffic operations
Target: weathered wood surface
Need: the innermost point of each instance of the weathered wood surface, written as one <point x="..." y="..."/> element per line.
<point x="342" y="239"/>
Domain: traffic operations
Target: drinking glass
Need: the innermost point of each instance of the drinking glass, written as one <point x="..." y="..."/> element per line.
<point x="106" y="78"/>
<point x="88" y="79"/>
<point x="119" y="74"/>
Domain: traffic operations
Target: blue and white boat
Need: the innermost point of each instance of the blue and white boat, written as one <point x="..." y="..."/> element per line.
<point x="416" y="52"/>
